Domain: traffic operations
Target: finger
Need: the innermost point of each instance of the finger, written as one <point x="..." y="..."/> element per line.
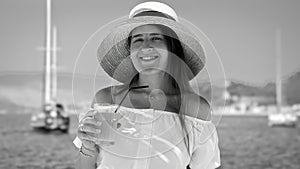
<point x="84" y="128"/>
<point x="90" y="145"/>
<point x="91" y="122"/>
<point x="89" y="114"/>
<point x="95" y="139"/>
<point x="87" y="137"/>
<point x="89" y="129"/>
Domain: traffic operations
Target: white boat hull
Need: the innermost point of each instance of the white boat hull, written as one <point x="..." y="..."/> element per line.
<point x="281" y="119"/>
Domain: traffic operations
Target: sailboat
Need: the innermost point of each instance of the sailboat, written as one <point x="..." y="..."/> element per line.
<point x="52" y="115"/>
<point x="283" y="116"/>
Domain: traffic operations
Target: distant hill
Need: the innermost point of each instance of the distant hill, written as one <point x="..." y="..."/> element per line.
<point x="290" y="90"/>
<point x="24" y="91"/>
<point x="241" y="89"/>
<point x="19" y="91"/>
<point x="266" y="93"/>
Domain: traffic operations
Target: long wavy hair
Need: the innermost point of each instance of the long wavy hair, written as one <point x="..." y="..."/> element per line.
<point x="178" y="76"/>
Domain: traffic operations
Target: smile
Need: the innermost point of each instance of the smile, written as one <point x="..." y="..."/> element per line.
<point x="148" y="58"/>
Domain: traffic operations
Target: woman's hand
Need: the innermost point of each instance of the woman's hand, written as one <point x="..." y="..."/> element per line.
<point x="88" y="132"/>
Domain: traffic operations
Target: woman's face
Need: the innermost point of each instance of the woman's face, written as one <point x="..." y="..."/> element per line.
<point x="148" y="49"/>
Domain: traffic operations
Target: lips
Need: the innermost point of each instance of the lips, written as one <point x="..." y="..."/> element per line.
<point x="148" y="58"/>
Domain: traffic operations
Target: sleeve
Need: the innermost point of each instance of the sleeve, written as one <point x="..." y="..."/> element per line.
<point x="205" y="153"/>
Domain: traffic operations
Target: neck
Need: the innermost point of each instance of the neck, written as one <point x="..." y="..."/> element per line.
<point x="155" y="81"/>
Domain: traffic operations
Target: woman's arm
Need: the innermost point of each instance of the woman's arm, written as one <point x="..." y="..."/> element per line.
<point x="88" y="154"/>
<point x="86" y="161"/>
<point x="87" y="136"/>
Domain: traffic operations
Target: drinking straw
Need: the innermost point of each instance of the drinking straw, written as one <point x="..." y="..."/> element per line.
<point x="131" y="88"/>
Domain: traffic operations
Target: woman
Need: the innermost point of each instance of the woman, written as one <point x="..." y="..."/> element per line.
<point x="152" y="52"/>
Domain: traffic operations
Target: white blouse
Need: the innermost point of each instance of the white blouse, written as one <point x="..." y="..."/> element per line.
<point x="153" y="139"/>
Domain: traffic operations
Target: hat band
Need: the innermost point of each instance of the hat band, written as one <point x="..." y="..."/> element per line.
<point x="154" y="13"/>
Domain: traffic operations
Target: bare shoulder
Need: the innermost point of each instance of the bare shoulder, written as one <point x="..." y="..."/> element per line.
<point x="197" y="106"/>
<point x="105" y="95"/>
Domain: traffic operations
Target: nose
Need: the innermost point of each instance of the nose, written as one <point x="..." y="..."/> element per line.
<point x="146" y="43"/>
<point x="147" y="49"/>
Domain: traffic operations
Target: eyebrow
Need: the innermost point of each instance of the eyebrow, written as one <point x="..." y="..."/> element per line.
<point x="139" y="35"/>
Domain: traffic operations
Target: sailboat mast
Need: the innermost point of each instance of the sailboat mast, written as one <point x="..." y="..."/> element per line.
<point x="53" y="66"/>
<point x="278" y="71"/>
<point x="47" y="62"/>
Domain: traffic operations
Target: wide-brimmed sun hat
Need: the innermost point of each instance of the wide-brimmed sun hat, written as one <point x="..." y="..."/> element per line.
<point x="114" y="53"/>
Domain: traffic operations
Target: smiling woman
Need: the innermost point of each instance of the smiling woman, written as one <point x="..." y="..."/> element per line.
<point x="148" y="48"/>
<point x="165" y="125"/>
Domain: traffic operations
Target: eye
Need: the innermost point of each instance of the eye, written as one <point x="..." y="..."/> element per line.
<point x="157" y="38"/>
<point x="137" y="40"/>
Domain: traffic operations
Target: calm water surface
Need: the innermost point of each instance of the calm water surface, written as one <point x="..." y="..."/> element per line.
<point x="245" y="142"/>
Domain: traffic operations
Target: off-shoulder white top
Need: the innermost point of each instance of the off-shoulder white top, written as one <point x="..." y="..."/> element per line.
<point x="153" y="139"/>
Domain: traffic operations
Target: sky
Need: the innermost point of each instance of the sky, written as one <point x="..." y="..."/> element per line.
<point x="241" y="31"/>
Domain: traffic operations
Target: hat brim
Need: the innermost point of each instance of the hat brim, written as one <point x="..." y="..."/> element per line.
<point x="113" y="51"/>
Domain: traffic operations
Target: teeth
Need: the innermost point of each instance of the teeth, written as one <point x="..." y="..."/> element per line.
<point x="148" y="57"/>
